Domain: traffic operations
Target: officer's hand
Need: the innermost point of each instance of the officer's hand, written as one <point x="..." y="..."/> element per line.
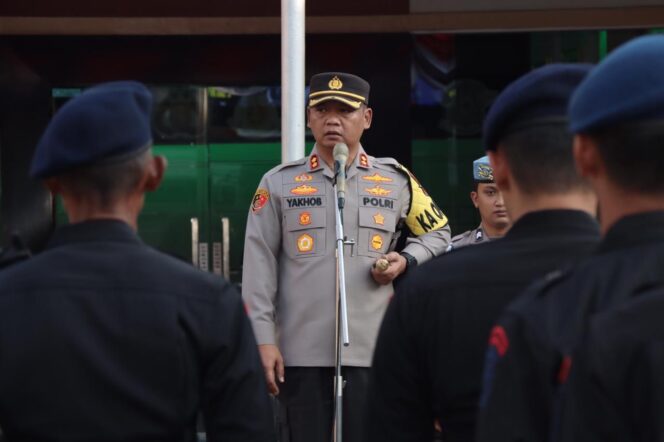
<point x="273" y="365"/>
<point x="397" y="265"/>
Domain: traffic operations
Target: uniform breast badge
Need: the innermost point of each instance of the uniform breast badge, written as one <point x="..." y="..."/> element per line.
<point x="305" y="218"/>
<point x="303" y="178"/>
<point x="379" y="219"/>
<point x="377" y="242"/>
<point x="377" y="178"/>
<point x="304" y="189"/>
<point x="305" y="243"/>
<point x="378" y="191"/>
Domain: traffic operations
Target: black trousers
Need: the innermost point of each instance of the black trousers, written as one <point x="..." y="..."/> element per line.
<point x="306" y="404"/>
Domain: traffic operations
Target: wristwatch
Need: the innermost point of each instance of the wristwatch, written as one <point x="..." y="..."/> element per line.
<point x="410" y="260"/>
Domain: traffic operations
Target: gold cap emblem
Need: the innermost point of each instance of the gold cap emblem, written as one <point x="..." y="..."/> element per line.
<point x="335" y="83"/>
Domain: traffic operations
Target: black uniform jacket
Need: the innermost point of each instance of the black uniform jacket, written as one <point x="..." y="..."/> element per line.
<point x="430" y="351"/>
<point x="615" y="392"/>
<point x="103" y="338"/>
<point x="542" y="327"/>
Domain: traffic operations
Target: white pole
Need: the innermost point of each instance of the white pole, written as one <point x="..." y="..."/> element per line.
<point x="292" y="80"/>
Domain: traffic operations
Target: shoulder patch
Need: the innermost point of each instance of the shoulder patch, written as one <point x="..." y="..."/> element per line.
<point x="261" y="197"/>
<point x="498" y="340"/>
<point x="423" y="214"/>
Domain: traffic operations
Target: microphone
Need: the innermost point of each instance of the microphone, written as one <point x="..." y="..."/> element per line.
<point x="340" y="154"/>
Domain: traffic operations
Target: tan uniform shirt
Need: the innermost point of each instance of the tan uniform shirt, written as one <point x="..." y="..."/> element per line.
<point x="469" y="238"/>
<point x="289" y="275"/>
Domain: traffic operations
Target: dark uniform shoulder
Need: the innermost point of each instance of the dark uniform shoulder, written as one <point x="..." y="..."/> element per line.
<point x="537" y="294"/>
<point x="181" y="274"/>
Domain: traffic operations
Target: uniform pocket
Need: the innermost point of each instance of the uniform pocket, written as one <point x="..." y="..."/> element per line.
<point x="305" y="232"/>
<point x="376" y="231"/>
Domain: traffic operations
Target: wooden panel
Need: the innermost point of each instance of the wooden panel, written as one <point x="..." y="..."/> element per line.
<point x="420" y="6"/>
<point x="639" y="17"/>
<point x="192" y="8"/>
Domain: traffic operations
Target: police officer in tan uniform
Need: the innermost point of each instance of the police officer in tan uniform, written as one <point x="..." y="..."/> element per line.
<point x="487" y="199"/>
<point x="289" y="282"/>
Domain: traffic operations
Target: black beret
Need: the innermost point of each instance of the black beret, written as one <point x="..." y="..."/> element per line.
<point x="347" y="88"/>
<point x="108" y="122"/>
<point x="539" y="97"/>
<point x="627" y="86"/>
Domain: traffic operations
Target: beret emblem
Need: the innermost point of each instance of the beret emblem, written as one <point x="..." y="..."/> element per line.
<point x="484" y="172"/>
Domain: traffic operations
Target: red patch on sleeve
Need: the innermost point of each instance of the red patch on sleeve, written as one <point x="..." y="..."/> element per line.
<point x="498" y="340"/>
<point x="261" y="197"/>
<point x="563" y="370"/>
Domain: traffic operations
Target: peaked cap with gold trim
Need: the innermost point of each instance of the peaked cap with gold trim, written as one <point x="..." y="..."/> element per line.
<point x="346" y="88"/>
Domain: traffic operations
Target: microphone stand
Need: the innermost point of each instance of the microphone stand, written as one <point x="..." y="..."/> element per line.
<point x="342" y="311"/>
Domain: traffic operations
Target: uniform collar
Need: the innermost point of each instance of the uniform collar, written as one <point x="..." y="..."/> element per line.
<point x="361" y="161"/>
<point x="634" y="230"/>
<point x="541" y="222"/>
<point x="102" y="230"/>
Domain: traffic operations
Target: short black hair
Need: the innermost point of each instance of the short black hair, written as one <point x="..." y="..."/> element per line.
<point x="105" y="183"/>
<point x="633" y="155"/>
<point x="541" y="159"/>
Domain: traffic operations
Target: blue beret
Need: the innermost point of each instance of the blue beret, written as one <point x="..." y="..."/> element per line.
<point x="627" y="86"/>
<point x="482" y="171"/>
<point x="108" y="122"/>
<point x="540" y="96"/>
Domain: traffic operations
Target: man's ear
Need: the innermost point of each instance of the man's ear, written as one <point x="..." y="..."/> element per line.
<point x="589" y="163"/>
<point x="308" y="121"/>
<point x="368" y="116"/>
<point x="155" y="173"/>
<point x="473" y="198"/>
<point x="501" y="169"/>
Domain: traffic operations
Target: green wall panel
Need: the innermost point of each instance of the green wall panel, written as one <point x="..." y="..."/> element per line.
<point x="445" y="169"/>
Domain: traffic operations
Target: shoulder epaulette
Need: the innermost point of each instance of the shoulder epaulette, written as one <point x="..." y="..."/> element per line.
<point x="386" y="161"/>
<point x="461" y="236"/>
<point x="282" y="166"/>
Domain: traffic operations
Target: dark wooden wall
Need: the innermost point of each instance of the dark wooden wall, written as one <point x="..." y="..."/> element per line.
<point x="193" y="8"/>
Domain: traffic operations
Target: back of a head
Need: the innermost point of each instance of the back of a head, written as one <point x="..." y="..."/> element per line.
<point x="621" y="106"/>
<point x="528" y="122"/>
<point x="97" y="143"/>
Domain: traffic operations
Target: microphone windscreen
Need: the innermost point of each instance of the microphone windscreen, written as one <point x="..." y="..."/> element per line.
<point x="340" y="153"/>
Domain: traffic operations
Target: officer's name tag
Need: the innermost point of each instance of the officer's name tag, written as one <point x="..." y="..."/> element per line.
<point x="312" y="201"/>
<point x="378" y="202"/>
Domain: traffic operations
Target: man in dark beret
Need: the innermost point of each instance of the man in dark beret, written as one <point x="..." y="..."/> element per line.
<point x="611" y="301"/>
<point x="429" y="356"/>
<point x="290" y="260"/>
<point x="103" y="337"/>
